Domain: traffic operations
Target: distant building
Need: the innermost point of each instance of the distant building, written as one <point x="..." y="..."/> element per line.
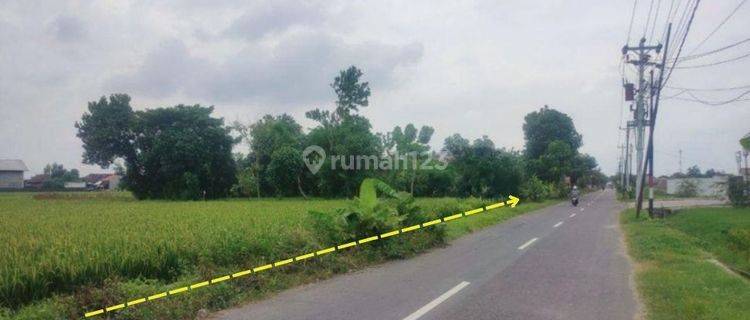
<point x="37" y="181"/>
<point x="75" y="185"/>
<point x="11" y="173"/>
<point x="715" y="186"/>
<point x="102" y="181"/>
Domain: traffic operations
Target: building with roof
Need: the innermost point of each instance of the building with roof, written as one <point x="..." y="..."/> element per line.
<point x="11" y="173"/>
<point x="37" y="181"/>
<point x="102" y="181"/>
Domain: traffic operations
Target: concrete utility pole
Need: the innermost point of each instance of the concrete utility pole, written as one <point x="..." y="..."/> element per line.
<point x="680" y="160"/>
<point x="744" y="172"/>
<point x="655" y="94"/>
<point x="650" y="152"/>
<point x="628" y="157"/>
<point x="738" y="157"/>
<point x="623" y="167"/>
<point x="620" y="163"/>
<point x="640" y="114"/>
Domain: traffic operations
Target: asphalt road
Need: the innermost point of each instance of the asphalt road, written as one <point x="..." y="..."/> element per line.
<point x="561" y="262"/>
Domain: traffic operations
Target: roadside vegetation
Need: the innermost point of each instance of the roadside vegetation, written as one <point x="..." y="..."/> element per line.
<point x="677" y="272"/>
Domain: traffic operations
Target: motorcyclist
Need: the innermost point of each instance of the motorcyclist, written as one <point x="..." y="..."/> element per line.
<point x="574" y="194"/>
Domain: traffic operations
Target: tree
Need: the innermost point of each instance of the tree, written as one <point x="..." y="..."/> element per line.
<point x="546" y="126"/>
<point x="694" y="172"/>
<point x="481" y="169"/>
<point x="107" y="131"/>
<point x="555" y="162"/>
<point x="710" y="173"/>
<point x="456" y="146"/>
<point x="413" y="144"/>
<point x="738" y="191"/>
<point x="552" y="144"/>
<point x="246" y="185"/>
<point x="344" y="133"/>
<point x="352" y="94"/>
<point x="58" y="176"/>
<point x="179" y="152"/>
<point x="745" y="142"/>
<point x="585" y="171"/>
<point x="349" y="138"/>
<point x="275" y="155"/>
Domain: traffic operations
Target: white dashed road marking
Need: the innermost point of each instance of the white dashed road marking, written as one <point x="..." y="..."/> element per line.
<point x="557" y="224"/>
<point x="437" y="301"/>
<point x="528" y="243"/>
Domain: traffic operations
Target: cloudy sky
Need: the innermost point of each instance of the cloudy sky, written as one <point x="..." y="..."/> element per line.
<point x="472" y="67"/>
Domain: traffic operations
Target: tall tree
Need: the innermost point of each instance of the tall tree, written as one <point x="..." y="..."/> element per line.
<point x="412" y="144"/>
<point x="344" y="133"/>
<point x="481" y="169"/>
<point x="552" y="144"/>
<point x="58" y="176"/>
<point x="276" y="155"/>
<point x="179" y="152"/>
<point x="351" y="92"/>
<point x="546" y="126"/>
<point x="694" y="172"/>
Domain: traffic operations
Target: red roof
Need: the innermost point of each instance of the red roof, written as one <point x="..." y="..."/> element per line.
<point x="96" y="177"/>
<point x="38" y="178"/>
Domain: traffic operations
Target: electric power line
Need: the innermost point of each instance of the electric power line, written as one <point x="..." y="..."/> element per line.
<point x="682" y="44"/>
<point x="648" y="18"/>
<point x="714" y="63"/>
<point x="709" y="89"/>
<point x="656" y="18"/>
<point x="703" y="54"/>
<point x="669" y="19"/>
<point x="632" y="16"/>
<point x="680" y="26"/>
<point x="693" y="98"/>
<point x="719" y="26"/>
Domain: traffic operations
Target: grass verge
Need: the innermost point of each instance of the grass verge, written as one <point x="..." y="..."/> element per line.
<point x="674" y="273"/>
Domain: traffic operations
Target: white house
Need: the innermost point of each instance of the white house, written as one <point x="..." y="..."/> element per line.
<point x="11" y="173"/>
<point x="715" y="186"/>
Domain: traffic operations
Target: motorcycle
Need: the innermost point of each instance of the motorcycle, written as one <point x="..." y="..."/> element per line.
<point x="574" y="201"/>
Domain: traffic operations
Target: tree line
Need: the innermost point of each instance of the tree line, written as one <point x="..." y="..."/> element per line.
<point x="183" y="152"/>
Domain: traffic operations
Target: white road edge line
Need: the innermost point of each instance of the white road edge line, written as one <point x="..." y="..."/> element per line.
<point x="557" y="224"/>
<point x="528" y="243"/>
<point x="572" y="215"/>
<point x="437" y="301"/>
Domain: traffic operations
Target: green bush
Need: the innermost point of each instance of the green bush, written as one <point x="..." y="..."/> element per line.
<point x="558" y="190"/>
<point x="534" y="189"/>
<point x="687" y="189"/>
<point x="738" y="191"/>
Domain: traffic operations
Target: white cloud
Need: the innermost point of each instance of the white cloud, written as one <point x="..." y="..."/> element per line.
<point x="296" y="69"/>
<point x="473" y="67"/>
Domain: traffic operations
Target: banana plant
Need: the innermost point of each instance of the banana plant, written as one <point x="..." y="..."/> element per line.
<point x="369" y="214"/>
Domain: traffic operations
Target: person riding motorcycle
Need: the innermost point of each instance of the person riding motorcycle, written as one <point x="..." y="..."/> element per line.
<point x="574" y="194"/>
